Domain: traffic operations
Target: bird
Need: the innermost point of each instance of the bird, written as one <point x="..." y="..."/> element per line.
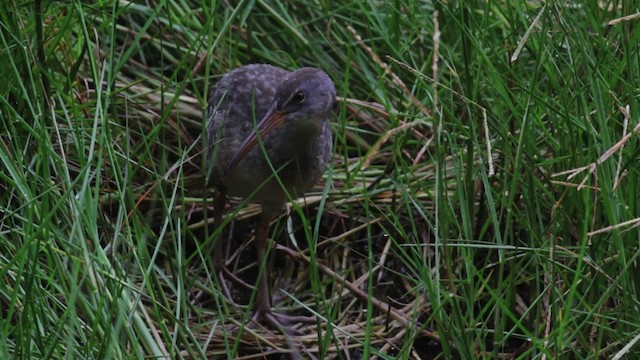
<point x="268" y="139"/>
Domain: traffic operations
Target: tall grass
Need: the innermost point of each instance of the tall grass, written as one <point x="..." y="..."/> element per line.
<point x="482" y="201"/>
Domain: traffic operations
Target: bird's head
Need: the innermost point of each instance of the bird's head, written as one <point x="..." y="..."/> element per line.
<point x="306" y="95"/>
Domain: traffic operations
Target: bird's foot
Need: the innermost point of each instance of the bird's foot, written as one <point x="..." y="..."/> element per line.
<point x="198" y="297"/>
<point x="283" y="322"/>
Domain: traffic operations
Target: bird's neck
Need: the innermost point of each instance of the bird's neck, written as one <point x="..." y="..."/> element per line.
<point x="308" y="130"/>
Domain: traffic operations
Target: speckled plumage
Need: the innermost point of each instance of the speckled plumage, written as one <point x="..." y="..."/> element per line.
<point x="299" y="149"/>
<point x="287" y="113"/>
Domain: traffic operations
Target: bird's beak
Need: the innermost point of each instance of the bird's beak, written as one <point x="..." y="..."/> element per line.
<point x="270" y="121"/>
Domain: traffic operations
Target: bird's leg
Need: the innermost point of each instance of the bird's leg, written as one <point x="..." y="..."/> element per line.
<point x="218" y="210"/>
<point x="219" y="202"/>
<point x="263" y="312"/>
<point x="263" y="299"/>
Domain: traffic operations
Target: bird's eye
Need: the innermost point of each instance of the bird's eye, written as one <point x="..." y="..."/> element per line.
<point x="297" y="98"/>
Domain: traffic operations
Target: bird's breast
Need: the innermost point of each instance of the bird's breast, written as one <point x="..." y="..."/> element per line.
<point x="295" y="163"/>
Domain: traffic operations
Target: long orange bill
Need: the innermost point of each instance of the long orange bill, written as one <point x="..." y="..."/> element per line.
<point x="270" y="121"/>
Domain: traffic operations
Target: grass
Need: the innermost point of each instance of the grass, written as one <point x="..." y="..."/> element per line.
<point x="482" y="196"/>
